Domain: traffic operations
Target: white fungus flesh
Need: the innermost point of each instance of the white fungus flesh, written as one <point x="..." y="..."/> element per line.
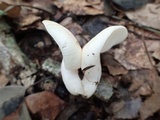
<point x="67" y="43"/>
<point x="88" y="58"/>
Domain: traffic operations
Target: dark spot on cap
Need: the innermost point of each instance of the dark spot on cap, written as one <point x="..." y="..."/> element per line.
<point x="96" y="83"/>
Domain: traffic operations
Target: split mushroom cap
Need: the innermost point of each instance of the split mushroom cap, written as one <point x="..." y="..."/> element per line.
<point x="67" y="43"/>
<point x="88" y="58"/>
<point x="102" y="42"/>
<point x="91" y="55"/>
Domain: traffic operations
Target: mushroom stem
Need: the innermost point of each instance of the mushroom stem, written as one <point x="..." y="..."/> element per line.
<point x="71" y="80"/>
<point x="91" y="79"/>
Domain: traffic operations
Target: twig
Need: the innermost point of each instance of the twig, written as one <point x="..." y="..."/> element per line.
<point x="151" y="29"/>
<point x="39" y="81"/>
<point x="146" y="50"/>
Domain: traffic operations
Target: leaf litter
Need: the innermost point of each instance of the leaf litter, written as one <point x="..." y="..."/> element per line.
<point x="129" y="88"/>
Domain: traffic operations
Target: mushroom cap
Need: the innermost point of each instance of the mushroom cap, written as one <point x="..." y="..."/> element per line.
<point x="102" y="42"/>
<point x="67" y="43"/>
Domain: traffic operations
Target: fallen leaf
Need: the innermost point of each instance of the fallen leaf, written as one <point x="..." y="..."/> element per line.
<point x="113" y="66"/>
<point x="144" y="90"/>
<point x="149" y="15"/>
<point x="150" y="106"/>
<point x="117" y="106"/>
<point x="68" y="112"/>
<point x="129" y="110"/>
<point x="75" y="29"/>
<point x="3" y="80"/>
<point x="81" y="7"/>
<point x="141" y="82"/>
<point x="10" y="99"/>
<point x="20" y="114"/>
<point x="29" y="19"/>
<point x="132" y="54"/>
<point x="156" y="54"/>
<point x="10" y="10"/>
<point x="72" y="26"/>
<point x="152" y="45"/>
<point x="104" y="90"/>
<point x="44" y="104"/>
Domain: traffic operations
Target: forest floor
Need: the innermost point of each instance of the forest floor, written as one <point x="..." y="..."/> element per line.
<point x="31" y="86"/>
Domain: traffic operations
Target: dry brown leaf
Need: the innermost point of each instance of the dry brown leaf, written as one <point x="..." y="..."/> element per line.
<point x="68" y="111"/>
<point x="113" y="66"/>
<point x="150" y="106"/>
<point x="3" y="80"/>
<point x="72" y="26"/>
<point x="46" y="104"/>
<point x="29" y="19"/>
<point x="94" y="2"/>
<point x="141" y="82"/>
<point x="14" y="115"/>
<point x="75" y="29"/>
<point x="149" y="15"/>
<point x="117" y="106"/>
<point x="81" y="7"/>
<point x="152" y="45"/>
<point x="156" y="54"/>
<point x="144" y="90"/>
<point x="20" y="114"/>
<point x="129" y="109"/>
<point x="11" y="11"/>
<point x="132" y="55"/>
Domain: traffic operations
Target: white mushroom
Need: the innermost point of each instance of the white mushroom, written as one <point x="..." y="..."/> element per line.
<point x="102" y="42"/>
<point x="88" y="58"/>
<point x="67" y="43"/>
<point x="71" y="52"/>
<point x="71" y="80"/>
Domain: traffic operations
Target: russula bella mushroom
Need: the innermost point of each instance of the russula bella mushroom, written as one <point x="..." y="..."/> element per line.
<point x="88" y="58"/>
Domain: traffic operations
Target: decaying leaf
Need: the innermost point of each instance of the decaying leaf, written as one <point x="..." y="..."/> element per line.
<point x="141" y="82"/>
<point x="20" y="114"/>
<point x="10" y="99"/>
<point x="113" y="66"/>
<point x="129" y="110"/>
<point x="3" y="80"/>
<point x="156" y="54"/>
<point x="68" y="112"/>
<point x="132" y="55"/>
<point x="150" y="106"/>
<point x="127" y="72"/>
<point x="149" y="15"/>
<point x="10" y="10"/>
<point x="29" y="19"/>
<point x="45" y="104"/>
<point x="81" y="7"/>
<point x="75" y="29"/>
<point x="104" y="90"/>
